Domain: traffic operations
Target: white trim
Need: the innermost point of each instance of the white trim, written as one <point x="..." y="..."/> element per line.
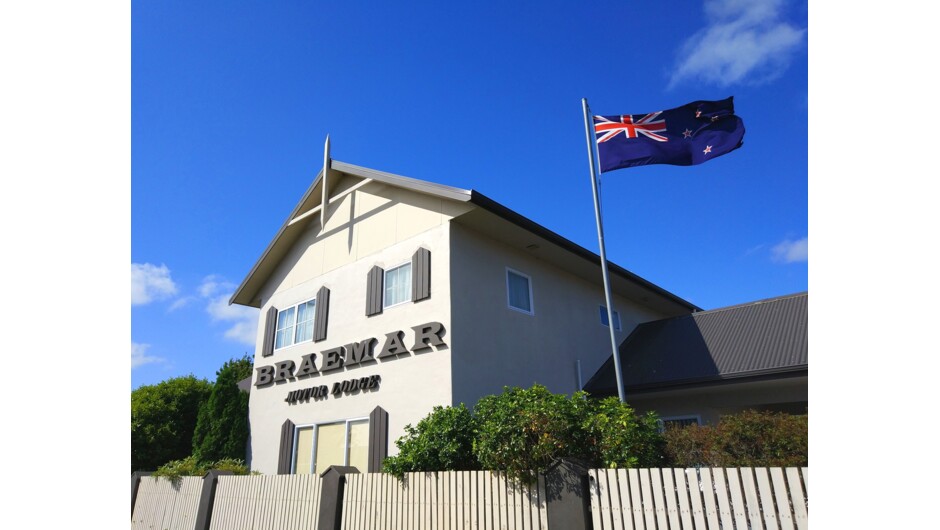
<point x="385" y="284"/>
<point x="293" y="333"/>
<point x="528" y="278"/>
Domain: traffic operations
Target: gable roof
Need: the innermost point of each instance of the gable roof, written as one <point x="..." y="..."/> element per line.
<point x="758" y="339"/>
<point x="490" y="217"/>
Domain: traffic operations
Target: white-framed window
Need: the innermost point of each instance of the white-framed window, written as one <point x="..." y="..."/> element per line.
<point x="604" y="321"/>
<point x="295" y="324"/>
<point x="397" y="285"/>
<point x="668" y="422"/>
<point x="519" y="292"/>
<point x="339" y="443"/>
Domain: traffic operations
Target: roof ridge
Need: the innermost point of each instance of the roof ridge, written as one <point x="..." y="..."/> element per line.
<point x="748" y="304"/>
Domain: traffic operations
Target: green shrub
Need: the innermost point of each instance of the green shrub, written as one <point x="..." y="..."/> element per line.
<point x="521" y="431"/>
<point x="618" y="438"/>
<point x="747" y="439"/>
<point x="443" y="440"/>
<point x="192" y="467"/>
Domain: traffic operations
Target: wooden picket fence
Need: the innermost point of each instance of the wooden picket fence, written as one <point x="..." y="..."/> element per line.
<point x="288" y="502"/>
<point x="166" y="505"/>
<point x="701" y="499"/>
<point x="444" y="500"/>
<point x="619" y="499"/>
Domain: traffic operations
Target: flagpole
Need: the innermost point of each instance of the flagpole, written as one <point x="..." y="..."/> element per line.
<point x="600" y="240"/>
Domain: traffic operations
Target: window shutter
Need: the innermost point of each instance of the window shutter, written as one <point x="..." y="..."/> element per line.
<point x="322" y="314"/>
<point x="374" y="291"/>
<point x="378" y="439"/>
<point x="421" y="275"/>
<point x="286" y="452"/>
<point x="270" y="320"/>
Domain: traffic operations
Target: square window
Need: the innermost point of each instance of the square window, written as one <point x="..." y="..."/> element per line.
<point x="397" y="285"/>
<point x="295" y="324"/>
<point x="343" y="443"/>
<point x="604" y="320"/>
<point x="678" y="422"/>
<point x="519" y="291"/>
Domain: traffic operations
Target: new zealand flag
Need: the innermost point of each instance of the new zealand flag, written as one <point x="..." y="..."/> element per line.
<point x="684" y="136"/>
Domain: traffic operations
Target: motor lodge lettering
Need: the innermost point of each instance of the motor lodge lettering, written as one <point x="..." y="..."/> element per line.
<point x="351" y="355"/>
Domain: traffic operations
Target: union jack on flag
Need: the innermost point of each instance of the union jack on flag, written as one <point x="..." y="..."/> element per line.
<point x="607" y="129"/>
<point x="684" y="136"/>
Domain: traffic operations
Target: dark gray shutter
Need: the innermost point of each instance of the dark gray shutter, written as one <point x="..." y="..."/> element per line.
<point x="270" y="320"/>
<point x="421" y="275"/>
<point x="286" y="452"/>
<point x="378" y="439"/>
<point x="374" y="291"/>
<point x="322" y="314"/>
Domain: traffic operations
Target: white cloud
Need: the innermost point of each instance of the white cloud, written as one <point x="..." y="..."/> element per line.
<point x="149" y="283"/>
<point x="244" y="320"/>
<point x="745" y="40"/>
<point x="212" y="284"/>
<point x="139" y="355"/>
<point x="788" y="251"/>
<point x="180" y="303"/>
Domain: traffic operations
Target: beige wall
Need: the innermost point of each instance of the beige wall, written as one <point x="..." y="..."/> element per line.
<point x="711" y="402"/>
<point x="494" y="346"/>
<point x="376" y="225"/>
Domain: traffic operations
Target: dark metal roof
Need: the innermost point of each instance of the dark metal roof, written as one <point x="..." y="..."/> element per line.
<point x="758" y="339"/>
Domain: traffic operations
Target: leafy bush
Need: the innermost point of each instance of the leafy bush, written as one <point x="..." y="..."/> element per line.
<point x="747" y="439"/>
<point x="521" y="431"/>
<point x="163" y="418"/>
<point x="192" y="467"/>
<point x="443" y="440"/>
<point x="222" y="425"/>
<point x="617" y="437"/>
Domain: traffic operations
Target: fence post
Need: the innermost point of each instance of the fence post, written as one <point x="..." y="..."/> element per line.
<point x="566" y="489"/>
<point x="207" y="498"/>
<point x="135" y="485"/>
<point x="331" y="496"/>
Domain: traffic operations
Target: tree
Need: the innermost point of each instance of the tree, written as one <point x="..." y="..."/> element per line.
<point x="163" y="419"/>
<point x="222" y="427"/>
<point x="442" y="440"/>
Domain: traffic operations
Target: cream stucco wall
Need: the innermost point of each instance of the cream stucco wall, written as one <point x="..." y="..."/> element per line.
<point x="711" y="402"/>
<point x="495" y="346"/>
<point x="376" y="225"/>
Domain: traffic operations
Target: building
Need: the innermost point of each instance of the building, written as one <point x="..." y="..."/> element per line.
<point x="383" y="296"/>
<point x="695" y="368"/>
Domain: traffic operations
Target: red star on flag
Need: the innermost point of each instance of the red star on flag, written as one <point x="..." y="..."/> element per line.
<point x="687" y="133"/>
<point x="708" y="149"/>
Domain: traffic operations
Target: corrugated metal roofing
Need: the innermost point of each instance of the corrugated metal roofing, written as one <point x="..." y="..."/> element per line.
<point x="764" y="337"/>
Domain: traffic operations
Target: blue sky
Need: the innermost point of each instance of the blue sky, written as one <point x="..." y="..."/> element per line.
<point x="232" y="101"/>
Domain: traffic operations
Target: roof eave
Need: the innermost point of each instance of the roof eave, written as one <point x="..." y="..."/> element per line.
<point x="496" y="208"/>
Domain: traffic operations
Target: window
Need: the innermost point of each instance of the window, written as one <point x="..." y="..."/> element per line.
<point x="343" y="443"/>
<point x="679" y="421"/>
<point x="603" y="311"/>
<point x="519" y="291"/>
<point x="295" y="324"/>
<point x="397" y="285"/>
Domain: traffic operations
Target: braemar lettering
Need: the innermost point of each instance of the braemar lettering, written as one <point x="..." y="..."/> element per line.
<point x="356" y="353"/>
